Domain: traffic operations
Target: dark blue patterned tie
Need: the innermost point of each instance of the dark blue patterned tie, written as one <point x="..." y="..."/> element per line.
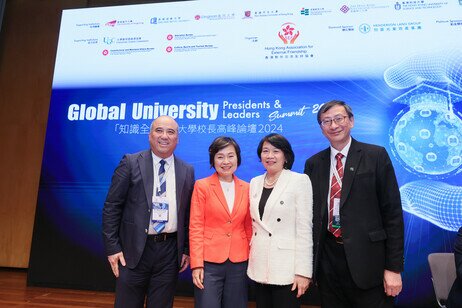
<point x="161" y="192"/>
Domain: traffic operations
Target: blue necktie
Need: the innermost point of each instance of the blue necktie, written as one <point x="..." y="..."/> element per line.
<point x="161" y="192"/>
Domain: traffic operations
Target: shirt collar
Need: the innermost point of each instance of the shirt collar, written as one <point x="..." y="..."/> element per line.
<point x="157" y="159"/>
<point x="344" y="151"/>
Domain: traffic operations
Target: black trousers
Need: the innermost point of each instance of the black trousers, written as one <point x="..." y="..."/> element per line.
<point x="153" y="279"/>
<point x="336" y="286"/>
<point x="225" y="286"/>
<point x="275" y="296"/>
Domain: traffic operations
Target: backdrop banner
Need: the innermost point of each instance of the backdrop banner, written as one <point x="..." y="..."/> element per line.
<point x="245" y="69"/>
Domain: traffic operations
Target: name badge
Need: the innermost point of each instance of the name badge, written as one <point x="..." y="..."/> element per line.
<point x="159" y="209"/>
<point x="336" y="214"/>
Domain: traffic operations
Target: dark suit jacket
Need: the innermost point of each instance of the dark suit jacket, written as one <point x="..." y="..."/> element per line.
<point x="455" y="295"/>
<point x="370" y="211"/>
<point x="127" y="207"/>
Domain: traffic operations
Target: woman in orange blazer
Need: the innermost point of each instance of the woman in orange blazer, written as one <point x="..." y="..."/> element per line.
<point x="220" y="229"/>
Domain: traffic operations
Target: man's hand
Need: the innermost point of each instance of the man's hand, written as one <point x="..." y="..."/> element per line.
<point x="301" y="283"/>
<point x="184" y="263"/>
<point x="392" y="283"/>
<point x="114" y="261"/>
<point x="198" y="277"/>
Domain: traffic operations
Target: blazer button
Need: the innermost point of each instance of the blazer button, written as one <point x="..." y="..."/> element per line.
<point x="229" y="234"/>
<point x="282" y="202"/>
<point x="255" y="233"/>
<point x="145" y="230"/>
<point x="253" y="219"/>
<point x="278" y="220"/>
<point x="229" y="221"/>
<point x="270" y="234"/>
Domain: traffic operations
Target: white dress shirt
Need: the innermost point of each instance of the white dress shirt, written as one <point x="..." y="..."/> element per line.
<point x="171" y="225"/>
<point x="333" y="164"/>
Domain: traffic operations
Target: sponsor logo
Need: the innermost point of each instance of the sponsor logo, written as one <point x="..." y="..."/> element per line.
<point x="193" y="48"/>
<point x="188" y="36"/>
<point x="344" y="9"/>
<point x="420" y="5"/>
<point x="314" y="11"/>
<point x="123" y="40"/>
<point x="288" y="33"/>
<point x="166" y="20"/>
<point x="397" y="26"/>
<point x="169" y="49"/>
<point x="111" y="23"/>
<point x="271" y="13"/>
<point x="363" y="8"/>
<point x="364" y="28"/>
<point x="126" y="51"/>
<point x="248" y="14"/>
<point x="127" y="22"/>
<point x="109" y="40"/>
<point x="223" y="16"/>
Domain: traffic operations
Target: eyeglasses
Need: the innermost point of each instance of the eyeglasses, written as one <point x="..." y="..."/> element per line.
<point x="339" y="120"/>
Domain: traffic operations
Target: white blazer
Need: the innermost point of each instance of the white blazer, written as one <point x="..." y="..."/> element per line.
<point x="282" y="243"/>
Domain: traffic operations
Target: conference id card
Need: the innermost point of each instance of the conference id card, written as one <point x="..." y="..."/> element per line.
<point x="336" y="213"/>
<point x="159" y="209"/>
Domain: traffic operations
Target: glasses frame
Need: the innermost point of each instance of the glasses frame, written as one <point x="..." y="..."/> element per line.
<point x="339" y="120"/>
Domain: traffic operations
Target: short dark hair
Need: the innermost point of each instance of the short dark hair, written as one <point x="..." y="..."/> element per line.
<point x="220" y="143"/>
<point x="280" y="142"/>
<point x="328" y="105"/>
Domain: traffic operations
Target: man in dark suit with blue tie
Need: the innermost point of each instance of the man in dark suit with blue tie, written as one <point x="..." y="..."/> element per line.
<point x="357" y="220"/>
<point x="146" y="218"/>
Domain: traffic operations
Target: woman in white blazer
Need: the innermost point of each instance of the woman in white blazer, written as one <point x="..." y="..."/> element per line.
<point x="281" y="207"/>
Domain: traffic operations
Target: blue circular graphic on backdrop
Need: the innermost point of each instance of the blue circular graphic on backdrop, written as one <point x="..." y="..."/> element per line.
<point x="427" y="140"/>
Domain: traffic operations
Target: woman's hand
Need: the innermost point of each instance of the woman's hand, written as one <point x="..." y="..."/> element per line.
<point x="198" y="277"/>
<point x="301" y="283"/>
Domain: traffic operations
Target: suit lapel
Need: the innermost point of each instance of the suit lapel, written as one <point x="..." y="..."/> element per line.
<point x="237" y="195"/>
<point x="218" y="192"/>
<point x="257" y="189"/>
<point x="180" y="178"/>
<point x="147" y="174"/>
<point x="324" y="179"/>
<point x="351" y="166"/>
<point x="278" y="189"/>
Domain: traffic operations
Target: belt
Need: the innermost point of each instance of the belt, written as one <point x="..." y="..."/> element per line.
<point x="161" y="237"/>
<point x="338" y="240"/>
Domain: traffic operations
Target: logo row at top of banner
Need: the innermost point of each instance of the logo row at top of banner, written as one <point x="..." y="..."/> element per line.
<point x="195" y="42"/>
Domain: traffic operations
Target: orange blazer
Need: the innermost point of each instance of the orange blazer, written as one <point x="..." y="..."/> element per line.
<point x="215" y="234"/>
